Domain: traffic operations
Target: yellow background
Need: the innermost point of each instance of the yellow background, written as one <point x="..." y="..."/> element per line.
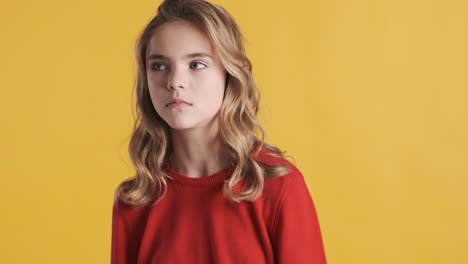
<point x="370" y="97"/>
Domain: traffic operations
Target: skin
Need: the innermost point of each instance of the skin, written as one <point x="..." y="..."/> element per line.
<point x="199" y="81"/>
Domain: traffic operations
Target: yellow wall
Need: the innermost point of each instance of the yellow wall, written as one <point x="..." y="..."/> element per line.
<point x="370" y="97"/>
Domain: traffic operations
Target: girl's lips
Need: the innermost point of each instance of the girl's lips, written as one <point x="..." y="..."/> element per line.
<point x="177" y="104"/>
<point x="177" y="100"/>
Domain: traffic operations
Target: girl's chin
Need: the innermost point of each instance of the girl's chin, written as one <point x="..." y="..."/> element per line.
<point x="181" y="125"/>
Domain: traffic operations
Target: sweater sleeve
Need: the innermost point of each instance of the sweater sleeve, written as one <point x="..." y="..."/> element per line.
<point x="121" y="252"/>
<point x="296" y="234"/>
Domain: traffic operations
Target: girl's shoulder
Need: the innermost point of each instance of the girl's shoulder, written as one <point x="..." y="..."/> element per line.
<point x="277" y="186"/>
<point x="129" y="214"/>
<point x="267" y="157"/>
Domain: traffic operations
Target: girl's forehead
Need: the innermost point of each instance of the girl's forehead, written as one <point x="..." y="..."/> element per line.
<point x="177" y="39"/>
<point x="178" y="31"/>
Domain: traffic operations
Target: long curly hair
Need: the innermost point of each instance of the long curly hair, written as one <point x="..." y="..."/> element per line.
<point x="150" y="147"/>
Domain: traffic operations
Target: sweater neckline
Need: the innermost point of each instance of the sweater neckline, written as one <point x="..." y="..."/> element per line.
<point x="213" y="179"/>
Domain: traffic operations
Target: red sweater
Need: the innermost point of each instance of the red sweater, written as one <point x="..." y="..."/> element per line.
<point x="194" y="223"/>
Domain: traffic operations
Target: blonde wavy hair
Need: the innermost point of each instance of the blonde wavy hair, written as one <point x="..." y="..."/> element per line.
<point x="150" y="146"/>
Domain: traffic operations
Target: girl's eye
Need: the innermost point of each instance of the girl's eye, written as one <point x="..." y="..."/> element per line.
<point x="195" y="63"/>
<point x="160" y="67"/>
<point x="156" y="66"/>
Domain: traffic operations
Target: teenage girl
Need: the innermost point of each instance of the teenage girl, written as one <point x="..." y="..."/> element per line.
<point x="207" y="189"/>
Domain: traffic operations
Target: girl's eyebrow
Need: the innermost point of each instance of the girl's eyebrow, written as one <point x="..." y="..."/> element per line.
<point x="188" y="56"/>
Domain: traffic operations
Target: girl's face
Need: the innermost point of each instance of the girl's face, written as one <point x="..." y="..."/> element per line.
<point x="182" y="64"/>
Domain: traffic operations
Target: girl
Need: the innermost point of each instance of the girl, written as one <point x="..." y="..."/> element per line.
<point x="207" y="189"/>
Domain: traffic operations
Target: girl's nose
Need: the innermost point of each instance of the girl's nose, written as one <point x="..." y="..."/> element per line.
<point x="176" y="79"/>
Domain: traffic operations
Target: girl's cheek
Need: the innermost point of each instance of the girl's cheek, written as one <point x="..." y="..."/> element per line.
<point x="154" y="81"/>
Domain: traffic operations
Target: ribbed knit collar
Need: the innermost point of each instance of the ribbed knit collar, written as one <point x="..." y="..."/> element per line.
<point x="216" y="178"/>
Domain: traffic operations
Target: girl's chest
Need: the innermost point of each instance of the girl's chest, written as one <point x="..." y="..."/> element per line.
<point x="206" y="229"/>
